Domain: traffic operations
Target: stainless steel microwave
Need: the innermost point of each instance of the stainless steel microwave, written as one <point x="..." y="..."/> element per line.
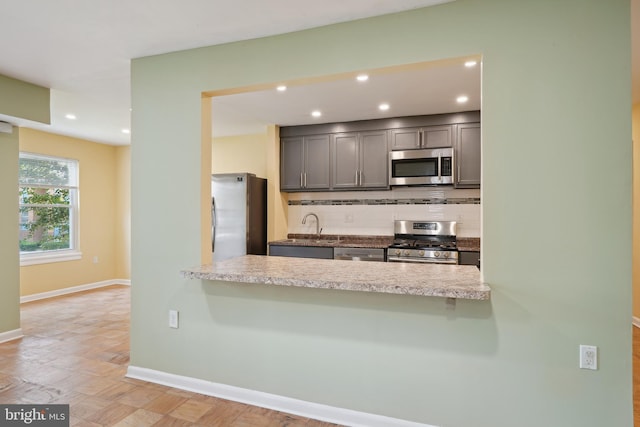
<point x="421" y="167"/>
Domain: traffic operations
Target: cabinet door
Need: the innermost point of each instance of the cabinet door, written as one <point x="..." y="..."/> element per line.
<point x="316" y="162"/>
<point x="374" y="160"/>
<point x="405" y="139"/>
<point x="468" y="151"/>
<point x="291" y="163"/>
<point x="468" y="258"/>
<point x="345" y="160"/>
<point x="301" y="251"/>
<point x="437" y="136"/>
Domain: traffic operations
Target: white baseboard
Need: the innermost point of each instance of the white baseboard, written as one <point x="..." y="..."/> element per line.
<point x="636" y="321"/>
<point x="73" y="289"/>
<point x="11" y="335"/>
<point x="289" y="405"/>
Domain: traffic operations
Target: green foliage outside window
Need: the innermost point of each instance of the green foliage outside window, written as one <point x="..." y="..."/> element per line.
<point x="46" y="196"/>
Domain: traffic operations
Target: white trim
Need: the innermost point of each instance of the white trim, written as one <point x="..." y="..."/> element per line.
<point x="289" y="405"/>
<point x="48" y="257"/>
<point x="73" y="289"/>
<point x="636" y="321"/>
<point x="11" y="335"/>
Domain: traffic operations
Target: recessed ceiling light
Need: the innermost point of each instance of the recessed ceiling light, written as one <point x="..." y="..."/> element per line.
<point x="281" y="88"/>
<point x="127" y="131"/>
<point x="462" y="99"/>
<point x="362" y="78"/>
<point x="383" y="107"/>
<point x="316" y="113"/>
<point x="470" y="64"/>
<point x="71" y="116"/>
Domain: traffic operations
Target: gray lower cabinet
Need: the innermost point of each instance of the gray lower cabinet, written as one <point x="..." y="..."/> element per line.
<point x="423" y="137"/>
<point x="468" y="155"/>
<point x="359" y="160"/>
<point x="305" y="163"/>
<point x="301" y="251"/>
<point x="468" y="258"/>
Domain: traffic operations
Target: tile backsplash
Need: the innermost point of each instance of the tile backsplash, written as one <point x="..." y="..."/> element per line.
<point x="373" y="212"/>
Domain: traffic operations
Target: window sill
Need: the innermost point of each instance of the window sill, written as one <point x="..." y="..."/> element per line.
<point x="49" y="257"/>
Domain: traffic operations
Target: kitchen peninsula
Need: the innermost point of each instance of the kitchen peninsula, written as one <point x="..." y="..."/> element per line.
<point x="435" y="280"/>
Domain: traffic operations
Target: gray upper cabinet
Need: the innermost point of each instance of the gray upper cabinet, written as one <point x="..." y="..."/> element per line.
<point x="305" y="163"/>
<point x="468" y="152"/>
<point x="291" y="163"/>
<point x="360" y="160"/>
<point x="424" y="137"/>
<point x="355" y="155"/>
<point x="405" y="139"/>
<point x="345" y="160"/>
<point x="374" y="159"/>
<point x="437" y="136"/>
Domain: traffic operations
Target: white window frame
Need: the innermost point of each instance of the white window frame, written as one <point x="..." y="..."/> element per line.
<point x="59" y="255"/>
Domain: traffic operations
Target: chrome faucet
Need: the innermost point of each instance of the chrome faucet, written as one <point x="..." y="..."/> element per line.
<point x="318" y="229"/>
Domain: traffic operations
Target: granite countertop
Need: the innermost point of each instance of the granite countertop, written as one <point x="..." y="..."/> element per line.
<point x="335" y="241"/>
<point x="438" y="280"/>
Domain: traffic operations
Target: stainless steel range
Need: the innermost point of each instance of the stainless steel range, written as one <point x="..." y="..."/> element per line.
<point x="424" y="242"/>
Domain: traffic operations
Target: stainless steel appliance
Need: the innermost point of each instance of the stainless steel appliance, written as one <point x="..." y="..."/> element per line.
<point x="238" y="215"/>
<point x="424" y="242"/>
<point x="359" y="254"/>
<point x="421" y="167"/>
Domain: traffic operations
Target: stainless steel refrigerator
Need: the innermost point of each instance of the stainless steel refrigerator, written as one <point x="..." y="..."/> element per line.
<point x="238" y="215"/>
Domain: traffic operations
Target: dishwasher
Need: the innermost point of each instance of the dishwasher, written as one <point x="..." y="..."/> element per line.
<point x="359" y="254"/>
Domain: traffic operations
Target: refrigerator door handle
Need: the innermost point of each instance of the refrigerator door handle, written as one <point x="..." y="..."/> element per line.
<point x="213" y="224"/>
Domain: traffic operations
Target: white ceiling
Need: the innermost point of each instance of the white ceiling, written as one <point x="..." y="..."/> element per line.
<point x="429" y="88"/>
<point x="82" y="51"/>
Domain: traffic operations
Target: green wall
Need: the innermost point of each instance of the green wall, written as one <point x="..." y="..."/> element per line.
<point x="556" y="167"/>
<point x="24" y="100"/>
<point x="9" y="256"/>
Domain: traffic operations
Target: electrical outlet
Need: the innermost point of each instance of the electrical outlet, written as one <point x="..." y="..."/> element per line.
<point x="588" y="357"/>
<point x="95" y="259"/>
<point x="173" y="319"/>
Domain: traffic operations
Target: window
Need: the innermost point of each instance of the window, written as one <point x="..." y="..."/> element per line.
<point x="48" y="196"/>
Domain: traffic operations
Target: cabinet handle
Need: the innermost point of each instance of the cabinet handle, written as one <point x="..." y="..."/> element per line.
<point x="360" y="172"/>
<point x="305" y="180"/>
<point x="301" y="184"/>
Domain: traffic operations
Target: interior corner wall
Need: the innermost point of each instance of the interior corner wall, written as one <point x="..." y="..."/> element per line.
<point x="123" y="213"/>
<point x="635" y="120"/>
<point x="9" y="258"/>
<point x="240" y="153"/>
<point x="97" y="189"/>
<point x="509" y="361"/>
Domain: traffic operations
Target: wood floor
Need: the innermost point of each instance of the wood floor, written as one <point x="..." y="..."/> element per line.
<point x="76" y="351"/>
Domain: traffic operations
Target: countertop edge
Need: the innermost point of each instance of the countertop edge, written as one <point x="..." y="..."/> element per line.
<point x="473" y="291"/>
